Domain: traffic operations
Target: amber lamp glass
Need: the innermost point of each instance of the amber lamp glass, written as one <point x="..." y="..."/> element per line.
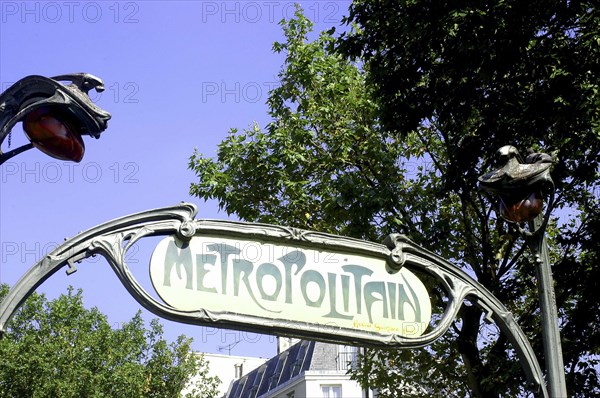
<point x="521" y="210"/>
<point x="54" y="134"/>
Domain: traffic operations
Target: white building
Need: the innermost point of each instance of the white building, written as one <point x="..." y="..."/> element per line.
<point x="229" y="367"/>
<point x="306" y="369"/>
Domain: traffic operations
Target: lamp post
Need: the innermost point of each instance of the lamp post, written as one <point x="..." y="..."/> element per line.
<point x="521" y="186"/>
<point x="54" y="115"/>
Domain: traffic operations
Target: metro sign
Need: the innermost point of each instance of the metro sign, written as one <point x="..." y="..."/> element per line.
<point x="284" y="281"/>
<point x="292" y="284"/>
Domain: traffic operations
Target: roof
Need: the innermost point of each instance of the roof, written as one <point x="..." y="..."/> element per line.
<point x="276" y="371"/>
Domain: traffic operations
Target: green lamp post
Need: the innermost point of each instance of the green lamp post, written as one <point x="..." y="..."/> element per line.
<point x="521" y="186"/>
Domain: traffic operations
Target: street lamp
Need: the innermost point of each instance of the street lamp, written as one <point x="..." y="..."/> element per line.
<point x="54" y="115"/>
<point x="521" y="186"/>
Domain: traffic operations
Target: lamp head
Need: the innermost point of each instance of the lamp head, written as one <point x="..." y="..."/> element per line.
<point x="55" y="133"/>
<point x="517" y="209"/>
<point x="54" y="115"/>
<point x="520" y="185"/>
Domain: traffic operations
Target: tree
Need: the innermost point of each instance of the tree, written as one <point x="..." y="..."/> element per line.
<point x="59" y="348"/>
<point x="321" y="150"/>
<point x="340" y="156"/>
<point x="472" y="76"/>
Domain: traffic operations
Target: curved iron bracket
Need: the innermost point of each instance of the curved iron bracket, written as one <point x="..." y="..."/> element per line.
<point x="113" y="239"/>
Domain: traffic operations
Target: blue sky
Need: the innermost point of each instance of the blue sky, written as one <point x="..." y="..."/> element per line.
<point x="178" y="76"/>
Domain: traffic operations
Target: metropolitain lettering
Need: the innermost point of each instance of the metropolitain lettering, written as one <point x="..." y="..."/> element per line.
<point x="274" y="278"/>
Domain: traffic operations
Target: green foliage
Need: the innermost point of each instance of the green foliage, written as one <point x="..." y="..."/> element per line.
<point x="486" y="73"/>
<point x="320" y="150"/>
<point x="393" y="140"/>
<point x="59" y="348"/>
<point x="480" y="75"/>
<point x="323" y="162"/>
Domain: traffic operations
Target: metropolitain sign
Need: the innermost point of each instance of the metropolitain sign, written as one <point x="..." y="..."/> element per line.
<point x="292" y="283"/>
<point x="281" y="280"/>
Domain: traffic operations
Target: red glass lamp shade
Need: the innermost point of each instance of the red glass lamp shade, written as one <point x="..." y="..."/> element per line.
<point x="54" y="134"/>
<point x="521" y="210"/>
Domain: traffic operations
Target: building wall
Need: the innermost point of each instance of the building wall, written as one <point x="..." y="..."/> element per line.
<point x="303" y="369"/>
<point x="283" y="343"/>
<point x="224" y="366"/>
<point x="316" y="380"/>
<point x="311" y="383"/>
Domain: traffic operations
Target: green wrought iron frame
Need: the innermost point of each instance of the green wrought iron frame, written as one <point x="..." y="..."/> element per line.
<point x="113" y="239"/>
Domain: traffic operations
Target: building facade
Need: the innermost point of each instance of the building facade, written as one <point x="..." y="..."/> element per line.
<point x="306" y="369"/>
<point x="228" y="368"/>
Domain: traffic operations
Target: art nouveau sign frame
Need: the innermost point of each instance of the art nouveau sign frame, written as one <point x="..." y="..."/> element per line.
<point x="279" y="280"/>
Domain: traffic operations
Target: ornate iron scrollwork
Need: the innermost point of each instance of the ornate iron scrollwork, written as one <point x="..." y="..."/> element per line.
<point x="114" y="238"/>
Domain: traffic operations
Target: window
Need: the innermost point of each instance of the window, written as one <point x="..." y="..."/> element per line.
<point x="274" y="379"/>
<point x="239" y="387"/>
<point x="253" y="391"/>
<point x="296" y="367"/>
<point x="331" y="391"/>
<point x="300" y="357"/>
<point x="347" y="357"/>
<point x="258" y="381"/>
